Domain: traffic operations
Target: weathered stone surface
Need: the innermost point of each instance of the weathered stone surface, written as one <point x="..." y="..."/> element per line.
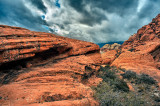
<point x="109" y="56"/>
<point x="110" y="52"/>
<point x="141" y="52"/>
<point x="40" y="68"/>
<point x="108" y="47"/>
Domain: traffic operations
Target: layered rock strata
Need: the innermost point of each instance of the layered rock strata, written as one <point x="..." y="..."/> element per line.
<point x="38" y="68"/>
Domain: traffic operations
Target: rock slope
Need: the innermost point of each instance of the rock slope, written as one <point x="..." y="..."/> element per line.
<point x="141" y="52"/>
<point x="38" y="68"/>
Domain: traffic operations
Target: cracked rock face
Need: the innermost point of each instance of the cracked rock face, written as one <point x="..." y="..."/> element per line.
<point x="38" y="68"/>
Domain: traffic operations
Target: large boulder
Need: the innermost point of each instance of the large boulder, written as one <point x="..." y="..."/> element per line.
<point x="38" y="68"/>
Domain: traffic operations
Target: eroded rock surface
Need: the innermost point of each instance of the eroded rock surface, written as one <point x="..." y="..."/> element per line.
<point x="108" y="47"/>
<point x="141" y="52"/>
<point x="38" y="68"/>
<point x="110" y="52"/>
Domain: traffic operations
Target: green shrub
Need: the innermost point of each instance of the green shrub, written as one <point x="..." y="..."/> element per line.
<point x="106" y="73"/>
<point x="122" y="69"/>
<point x="109" y="75"/>
<point x="144" y="78"/>
<point x="121" y="85"/>
<point x="108" y="97"/>
<point x="129" y="75"/>
<point x="114" y="91"/>
<point x="156" y="96"/>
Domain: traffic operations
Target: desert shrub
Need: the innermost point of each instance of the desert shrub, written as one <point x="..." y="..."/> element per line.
<point x="108" y="74"/>
<point x="121" y="85"/>
<point x="108" y="97"/>
<point x="143" y="87"/>
<point x="156" y="96"/>
<point x="129" y="75"/>
<point x="114" y="91"/>
<point x="122" y="69"/>
<point x="144" y="78"/>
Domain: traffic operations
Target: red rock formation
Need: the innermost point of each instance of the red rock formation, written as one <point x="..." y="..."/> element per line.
<point x="38" y="68"/>
<point x="109" y="52"/>
<point x="109" y="56"/>
<point x="141" y="52"/>
<point x="108" y="47"/>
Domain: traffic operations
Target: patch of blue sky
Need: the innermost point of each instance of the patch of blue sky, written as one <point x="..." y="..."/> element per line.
<point x="46" y="27"/>
<point x="43" y="17"/>
<point x="57" y="4"/>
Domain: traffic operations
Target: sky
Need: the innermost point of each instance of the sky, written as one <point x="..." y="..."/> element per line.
<point x="97" y="21"/>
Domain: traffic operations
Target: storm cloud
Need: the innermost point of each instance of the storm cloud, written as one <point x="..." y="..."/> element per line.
<point x="97" y="21"/>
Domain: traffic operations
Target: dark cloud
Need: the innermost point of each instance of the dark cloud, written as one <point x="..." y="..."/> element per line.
<point x="39" y="4"/>
<point x="77" y="4"/>
<point x="150" y="9"/>
<point x="120" y="7"/>
<point x="91" y="20"/>
<point x="15" y="13"/>
<point x="91" y="16"/>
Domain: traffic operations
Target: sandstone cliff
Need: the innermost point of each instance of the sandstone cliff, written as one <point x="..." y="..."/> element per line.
<point x="38" y="68"/>
<point x="141" y="52"/>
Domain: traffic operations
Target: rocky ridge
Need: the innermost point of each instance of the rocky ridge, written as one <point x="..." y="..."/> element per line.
<point x="141" y="52"/>
<point x="38" y="68"/>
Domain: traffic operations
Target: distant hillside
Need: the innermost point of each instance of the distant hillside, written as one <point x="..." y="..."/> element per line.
<point x="102" y="44"/>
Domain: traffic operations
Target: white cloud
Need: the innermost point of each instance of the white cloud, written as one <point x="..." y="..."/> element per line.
<point x="35" y="11"/>
<point x="90" y="21"/>
<point x="141" y="3"/>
